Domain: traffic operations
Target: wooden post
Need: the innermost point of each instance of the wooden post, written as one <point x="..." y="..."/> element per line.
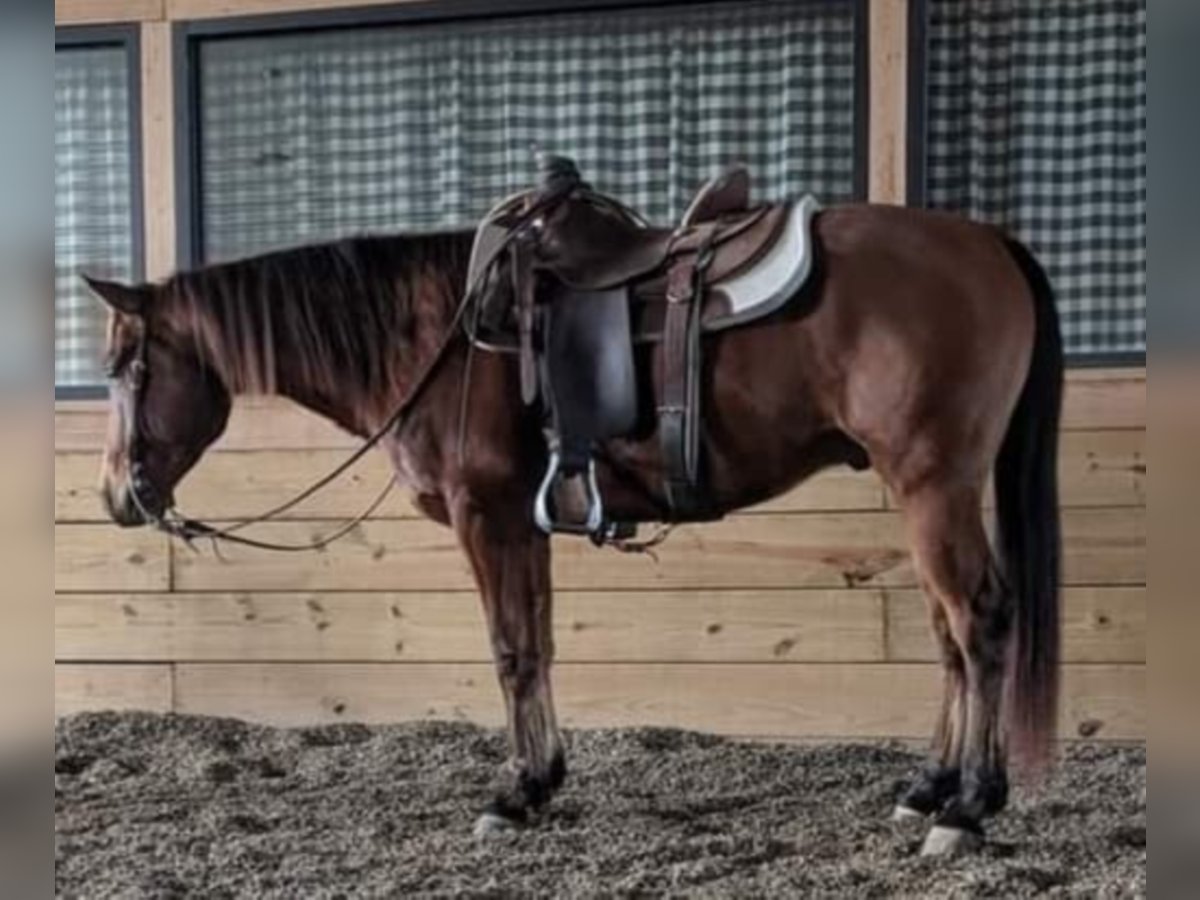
<point x="889" y="100"/>
<point x="158" y="149"/>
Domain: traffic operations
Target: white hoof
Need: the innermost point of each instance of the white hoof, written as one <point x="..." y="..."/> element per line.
<point x="490" y="823"/>
<point x="945" y="841"/>
<point x="902" y="813"/>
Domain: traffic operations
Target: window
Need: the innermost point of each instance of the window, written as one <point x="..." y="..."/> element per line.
<point x="1036" y="121"/>
<point x="316" y="132"/>
<point x="95" y="192"/>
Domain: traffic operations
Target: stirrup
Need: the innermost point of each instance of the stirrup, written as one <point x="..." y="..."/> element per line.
<point x="595" y="508"/>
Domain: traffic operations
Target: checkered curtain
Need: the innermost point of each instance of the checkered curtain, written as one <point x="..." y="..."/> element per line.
<point x="1037" y="122"/>
<point x="93" y="207"/>
<point x="419" y="127"/>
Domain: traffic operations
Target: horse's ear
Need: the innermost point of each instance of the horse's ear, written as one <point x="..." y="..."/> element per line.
<point x="129" y="299"/>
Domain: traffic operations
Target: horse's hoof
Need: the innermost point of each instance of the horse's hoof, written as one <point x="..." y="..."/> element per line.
<point x="905" y="814"/>
<point x="944" y="840"/>
<point x="491" y="823"/>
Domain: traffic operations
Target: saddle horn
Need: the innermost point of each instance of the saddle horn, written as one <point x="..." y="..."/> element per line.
<point x="559" y="174"/>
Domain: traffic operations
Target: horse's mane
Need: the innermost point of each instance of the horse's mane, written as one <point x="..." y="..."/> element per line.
<point x="326" y="315"/>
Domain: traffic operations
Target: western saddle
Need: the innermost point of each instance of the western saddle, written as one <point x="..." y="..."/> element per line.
<point x="589" y="279"/>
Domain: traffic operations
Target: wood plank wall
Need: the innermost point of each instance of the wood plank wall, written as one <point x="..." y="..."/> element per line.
<point x="797" y="619"/>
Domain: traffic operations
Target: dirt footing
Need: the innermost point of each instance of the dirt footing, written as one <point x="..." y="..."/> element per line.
<point x="175" y="806"/>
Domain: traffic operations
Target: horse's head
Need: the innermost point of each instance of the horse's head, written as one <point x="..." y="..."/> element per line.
<point x="166" y="405"/>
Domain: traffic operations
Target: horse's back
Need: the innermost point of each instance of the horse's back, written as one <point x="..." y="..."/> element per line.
<point x="928" y="258"/>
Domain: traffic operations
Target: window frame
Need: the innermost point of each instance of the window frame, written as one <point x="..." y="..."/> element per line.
<point x="126" y="37"/>
<point x="917" y="193"/>
<point x="188" y="36"/>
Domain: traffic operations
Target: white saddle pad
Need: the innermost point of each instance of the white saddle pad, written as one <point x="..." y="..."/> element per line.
<point x="782" y="271"/>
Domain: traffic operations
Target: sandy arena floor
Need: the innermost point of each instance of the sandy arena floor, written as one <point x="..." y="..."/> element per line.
<point x="170" y="806"/>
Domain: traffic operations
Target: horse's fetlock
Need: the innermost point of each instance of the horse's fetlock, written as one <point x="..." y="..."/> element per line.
<point x="931" y="789"/>
<point x="986" y="792"/>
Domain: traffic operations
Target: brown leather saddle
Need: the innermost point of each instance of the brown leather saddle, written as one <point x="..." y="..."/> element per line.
<point x="586" y="280"/>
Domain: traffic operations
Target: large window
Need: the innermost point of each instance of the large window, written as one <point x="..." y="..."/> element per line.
<point x="414" y="125"/>
<point x="1036" y="121"/>
<point x="96" y="206"/>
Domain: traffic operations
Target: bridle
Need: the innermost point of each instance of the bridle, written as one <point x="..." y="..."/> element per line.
<point x="166" y="517"/>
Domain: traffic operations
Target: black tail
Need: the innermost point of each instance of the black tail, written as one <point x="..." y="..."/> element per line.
<point x="1028" y="527"/>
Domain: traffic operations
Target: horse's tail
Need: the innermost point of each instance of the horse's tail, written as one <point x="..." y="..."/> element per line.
<point x="1029" y="537"/>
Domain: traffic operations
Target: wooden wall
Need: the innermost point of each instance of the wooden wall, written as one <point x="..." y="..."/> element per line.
<point x="796" y="619"/>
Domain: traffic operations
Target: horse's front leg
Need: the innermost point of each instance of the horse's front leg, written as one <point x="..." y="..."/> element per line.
<point x="511" y="561"/>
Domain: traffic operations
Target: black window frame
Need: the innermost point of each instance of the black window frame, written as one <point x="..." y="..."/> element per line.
<point x="126" y="37"/>
<point x="188" y="36"/>
<point x="916" y="189"/>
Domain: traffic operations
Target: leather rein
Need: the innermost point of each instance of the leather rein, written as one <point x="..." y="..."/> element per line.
<point x="166" y="517"/>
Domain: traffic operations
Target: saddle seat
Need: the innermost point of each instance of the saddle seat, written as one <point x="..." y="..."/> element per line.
<point x="613" y="245"/>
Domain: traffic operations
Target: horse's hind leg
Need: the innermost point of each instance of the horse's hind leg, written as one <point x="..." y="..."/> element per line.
<point x="939" y="780"/>
<point x="511" y="562"/>
<point x="954" y="563"/>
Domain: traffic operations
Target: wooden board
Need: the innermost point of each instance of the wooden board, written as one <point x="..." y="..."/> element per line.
<point x="1105" y="624"/>
<point x="80" y="688"/>
<point x="220" y="9"/>
<point x="1101" y="546"/>
<point x="257" y="423"/>
<point x="237" y="484"/>
<point x="107" y="558"/>
<point x="727" y="626"/>
<point x="1099" y="624"/>
<point x="1096" y="468"/>
<point x="1102" y="468"/>
<point x="1095" y="399"/>
<point x="101" y="12"/>
<point x="1105" y="398"/>
<point x="1104" y="702"/>
<point x="870" y="700"/>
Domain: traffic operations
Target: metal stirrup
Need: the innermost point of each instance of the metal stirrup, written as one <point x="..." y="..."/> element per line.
<point x="595" y="507"/>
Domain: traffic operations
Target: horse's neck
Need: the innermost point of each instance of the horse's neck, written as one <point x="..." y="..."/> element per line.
<point x="344" y="412"/>
<point x="344" y="397"/>
<point x="346" y="402"/>
<point x="343" y="331"/>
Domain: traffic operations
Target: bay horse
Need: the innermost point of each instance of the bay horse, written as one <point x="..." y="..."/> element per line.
<point x="924" y="346"/>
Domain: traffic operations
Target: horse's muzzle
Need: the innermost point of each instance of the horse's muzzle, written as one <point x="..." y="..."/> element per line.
<point x="120" y="505"/>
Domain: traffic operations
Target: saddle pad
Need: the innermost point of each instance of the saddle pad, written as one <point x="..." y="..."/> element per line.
<point x="778" y="275"/>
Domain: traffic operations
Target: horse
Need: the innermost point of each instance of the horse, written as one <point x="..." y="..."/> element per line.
<point x="923" y="345"/>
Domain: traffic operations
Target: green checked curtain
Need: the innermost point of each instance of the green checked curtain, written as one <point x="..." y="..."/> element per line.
<point x="308" y="136"/>
<point x="1037" y="122"/>
<point x="93" y="200"/>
